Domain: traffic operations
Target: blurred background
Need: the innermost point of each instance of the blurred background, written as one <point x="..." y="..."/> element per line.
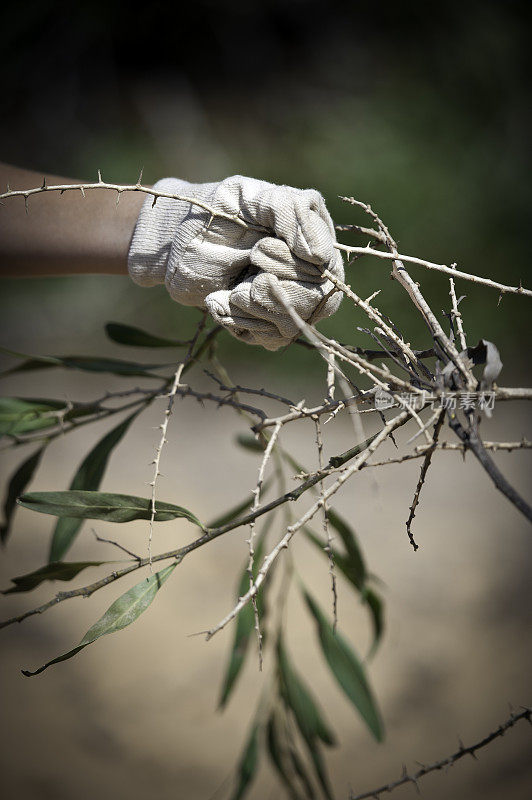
<point x="425" y="114"/>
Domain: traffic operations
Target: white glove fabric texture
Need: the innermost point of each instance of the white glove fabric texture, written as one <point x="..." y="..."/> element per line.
<point x="233" y="271"/>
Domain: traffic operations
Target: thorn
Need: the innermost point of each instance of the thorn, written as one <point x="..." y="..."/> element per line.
<point x="139" y="181"/>
<point x="26" y="203"/>
<point x="43" y="187"/>
<point x="100" y="177"/>
<point x="82" y="190"/>
<point x="8" y="187"/>
<point x="154" y="200"/>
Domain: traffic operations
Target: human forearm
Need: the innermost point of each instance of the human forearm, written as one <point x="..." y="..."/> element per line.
<point x="63" y="234"/>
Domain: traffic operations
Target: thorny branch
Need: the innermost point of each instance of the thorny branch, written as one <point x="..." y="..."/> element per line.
<point x="424" y="469"/>
<point x="164" y="424"/>
<point x="445" y="763"/>
<point x="359" y="251"/>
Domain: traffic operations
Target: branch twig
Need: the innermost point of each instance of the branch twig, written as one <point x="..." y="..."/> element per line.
<point x="450" y="760"/>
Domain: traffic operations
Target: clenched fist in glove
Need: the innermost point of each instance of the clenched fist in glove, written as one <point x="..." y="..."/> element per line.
<point x="235" y="270"/>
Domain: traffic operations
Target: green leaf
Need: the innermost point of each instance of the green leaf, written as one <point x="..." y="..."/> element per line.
<point x="135" y="337"/>
<point x="248" y="764"/>
<point x="375" y="605"/>
<point x="347" y="670"/>
<point x="59" y="571"/>
<point x="369" y="597"/>
<point x="250" y="443"/>
<point x="17" y="484"/>
<point x="239" y="509"/>
<point x="119" y="615"/>
<point x="245" y="623"/>
<point x="341" y="561"/>
<point x="308" y="718"/>
<point x="85" y="363"/>
<point x="103" y="505"/>
<point x="233" y="513"/>
<point x="20" y="415"/>
<point x="300" y="700"/>
<point x="285" y="758"/>
<point x="88" y="477"/>
<point x="357" y="568"/>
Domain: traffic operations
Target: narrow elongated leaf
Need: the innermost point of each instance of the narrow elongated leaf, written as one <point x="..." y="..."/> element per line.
<point x="20" y="415"/>
<point x="300" y="700"/>
<point x="249" y="442"/>
<point x="369" y="597"/>
<point x="248" y="764"/>
<point x="232" y="514"/>
<point x="88" y="477"/>
<point x="119" y="615"/>
<point x="375" y="605"/>
<point x="60" y="571"/>
<point x="301" y="770"/>
<point x="354" y="556"/>
<point x="17" y="484"/>
<point x="347" y="670"/>
<point x="235" y="512"/>
<point x="340" y="560"/>
<point x="285" y="758"/>
<point x="308" y="718"/>
<point x="244" y="627"/>
<point x="85" y="363"/>
<point x="136" y="337"/>
<point x="102" y="505"/>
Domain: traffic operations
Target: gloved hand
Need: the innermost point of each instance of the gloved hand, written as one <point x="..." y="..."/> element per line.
<point x="215" y="263"/>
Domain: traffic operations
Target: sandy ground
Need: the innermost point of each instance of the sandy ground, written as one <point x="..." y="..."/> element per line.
<point x="134" y="716"/>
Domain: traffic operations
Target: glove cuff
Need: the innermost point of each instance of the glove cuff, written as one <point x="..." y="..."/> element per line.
<point x="168" y="225"/>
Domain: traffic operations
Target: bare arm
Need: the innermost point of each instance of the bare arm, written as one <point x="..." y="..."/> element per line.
<point x="63" y="234"/>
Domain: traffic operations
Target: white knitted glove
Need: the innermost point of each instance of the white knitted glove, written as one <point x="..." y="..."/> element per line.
<point x="215" y="263"/>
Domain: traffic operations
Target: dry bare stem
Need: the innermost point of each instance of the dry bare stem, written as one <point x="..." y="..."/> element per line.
<point x="445" y="763"/>
<point x="456" y="314"/>
<point x="326" y="527"/>
<point x="164" y="426"/>
<point x="250" y="540"/>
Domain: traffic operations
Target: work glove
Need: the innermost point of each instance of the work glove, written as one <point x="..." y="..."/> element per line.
<point x="236" y="271"/>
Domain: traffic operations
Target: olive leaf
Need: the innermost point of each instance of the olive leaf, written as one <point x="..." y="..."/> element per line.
<point x="88" y="477"/>
<point x="375" y="605"/>
<point x="103" y="505"/>
<point x="136" y="337"/>
<point x="21" y="415"/>
<point x="285" y="758"/>
<point x="248" y="763"/>
<point x="58" y="571"/>
<point x="245" y="623"/>
<point x="349" y="568"/>
<point x="85" y="363"/>
<point x="119" y="615"/>
<point x="19" y="480"/>
<point x="307" y="715"/>
<point x="347" y="669"/>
